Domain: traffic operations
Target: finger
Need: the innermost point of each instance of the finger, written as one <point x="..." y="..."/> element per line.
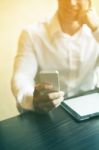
<point x="55" y="95"/>
<point x="57" y="102"/>
<point x="48" y="106"/>
<point x="53" y="104"/>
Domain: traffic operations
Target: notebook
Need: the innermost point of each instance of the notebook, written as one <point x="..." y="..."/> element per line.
<point x="82" y="107"/>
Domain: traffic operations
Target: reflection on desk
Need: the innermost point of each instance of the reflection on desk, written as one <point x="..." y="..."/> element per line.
<point x="54" y="131"/>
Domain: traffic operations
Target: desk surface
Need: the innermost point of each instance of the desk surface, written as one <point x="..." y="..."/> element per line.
<point x="56" y="131"/>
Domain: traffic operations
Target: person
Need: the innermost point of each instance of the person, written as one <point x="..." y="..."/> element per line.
<point x="67" y="42"/>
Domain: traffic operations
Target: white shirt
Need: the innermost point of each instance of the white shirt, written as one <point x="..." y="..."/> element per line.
<point x="44" y="46"/>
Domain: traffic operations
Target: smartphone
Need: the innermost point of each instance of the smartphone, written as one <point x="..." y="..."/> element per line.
<point x="51" y="77"/>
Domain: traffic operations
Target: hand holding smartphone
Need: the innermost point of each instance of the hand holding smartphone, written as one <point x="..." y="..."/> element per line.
<point x="47" y="94"/>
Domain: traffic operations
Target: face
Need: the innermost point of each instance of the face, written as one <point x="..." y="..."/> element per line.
<point x="74" y="5"/>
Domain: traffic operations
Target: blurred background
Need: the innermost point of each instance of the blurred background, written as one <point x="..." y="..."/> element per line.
<point x="14" y="15"/>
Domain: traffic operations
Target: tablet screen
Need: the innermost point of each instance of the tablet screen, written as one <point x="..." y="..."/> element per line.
<point x="84" y="105"/>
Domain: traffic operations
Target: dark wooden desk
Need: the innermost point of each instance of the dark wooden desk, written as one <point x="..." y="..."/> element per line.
<point x="56" y="131"/>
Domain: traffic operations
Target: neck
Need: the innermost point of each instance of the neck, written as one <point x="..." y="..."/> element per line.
<point x="68" y="23"/>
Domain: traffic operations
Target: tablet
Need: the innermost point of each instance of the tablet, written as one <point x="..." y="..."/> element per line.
<point x="82" y="107"/>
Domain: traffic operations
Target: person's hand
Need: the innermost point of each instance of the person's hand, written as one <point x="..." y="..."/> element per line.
<point x="45" y="98"/>
<point x="89" y="17"/>
<point x="92" y="19"/>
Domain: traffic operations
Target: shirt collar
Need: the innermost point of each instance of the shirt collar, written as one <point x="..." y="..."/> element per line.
<point x="54" y="26"/>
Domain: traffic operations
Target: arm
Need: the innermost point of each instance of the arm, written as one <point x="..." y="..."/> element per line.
<point x="92" y="20"/>
<point x="27" y="94"/>
<point x="25" y="68"/>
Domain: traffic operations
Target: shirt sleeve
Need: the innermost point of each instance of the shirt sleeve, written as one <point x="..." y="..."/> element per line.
<point x="25" y="69"/>
<point x="96" y="34"/>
